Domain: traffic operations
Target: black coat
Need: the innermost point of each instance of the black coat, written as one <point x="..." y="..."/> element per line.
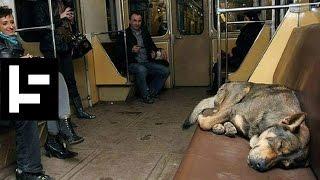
<point x="246" y="38"/>
<point x="42" y="18"/>
<point x="10" y="50"/>
<point x="132" y="41"/>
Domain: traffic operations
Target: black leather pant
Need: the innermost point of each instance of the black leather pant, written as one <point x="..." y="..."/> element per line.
<point x="67" y="70"/>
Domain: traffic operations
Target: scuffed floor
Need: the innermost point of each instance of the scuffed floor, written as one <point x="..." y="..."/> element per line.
<point x="130" y="140"/>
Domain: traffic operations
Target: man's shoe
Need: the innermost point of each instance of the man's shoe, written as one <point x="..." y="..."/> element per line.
<point x="20" y="175"/>
<point x="148" y="100"/>
<point x="153" y="94"/>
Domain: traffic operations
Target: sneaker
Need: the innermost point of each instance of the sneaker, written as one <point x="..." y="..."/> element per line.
<point x="20" y="175"/>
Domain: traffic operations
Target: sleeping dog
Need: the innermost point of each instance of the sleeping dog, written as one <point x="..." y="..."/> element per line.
<point x="269" y="115"/>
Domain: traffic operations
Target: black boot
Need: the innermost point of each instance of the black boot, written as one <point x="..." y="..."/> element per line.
<point x="20" y="175"/>
<point x="55" y="148"/>
<point x="79" y="109"/>
<point x="68" y="132"/>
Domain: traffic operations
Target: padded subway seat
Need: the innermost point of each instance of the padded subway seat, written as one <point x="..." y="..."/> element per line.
<point x="211" y="156"/>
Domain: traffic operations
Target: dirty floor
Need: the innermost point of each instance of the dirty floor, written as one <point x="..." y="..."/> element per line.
<point x="129" y="140"/>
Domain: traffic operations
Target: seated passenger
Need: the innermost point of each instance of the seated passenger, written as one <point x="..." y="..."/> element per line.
<point x="141" y="53"/>
<point x="10" y="47"/>
<point x="27" y="135"/>
<point x="246" y="38"/>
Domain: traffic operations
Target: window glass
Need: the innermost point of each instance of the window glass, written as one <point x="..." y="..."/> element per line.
<point x="111" y="15"/>
<point x="239" y="16"/>
<point x="154" y="14"/>
<point x="190" y="16"/>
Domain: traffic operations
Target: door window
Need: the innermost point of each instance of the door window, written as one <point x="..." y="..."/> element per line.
<point x="190" y="17"/>
<point x="154" y="14"/>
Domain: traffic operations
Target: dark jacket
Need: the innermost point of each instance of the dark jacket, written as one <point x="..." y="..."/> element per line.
<point x="9" y="49"/>
<point x="132" y="40"/>
<point x="246" y="38"/>
<point x="43" y="18"/>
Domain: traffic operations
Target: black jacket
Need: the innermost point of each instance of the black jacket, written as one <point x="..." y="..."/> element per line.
<point x="246" y="38"/>
<point x="43" y="18"/>
<point x="132" y="40"/>
<point x="10" y="50"/>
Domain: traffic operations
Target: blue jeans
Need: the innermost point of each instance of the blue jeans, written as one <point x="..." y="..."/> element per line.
<point x="28" y="146"/>
<point x="158" y="74"/>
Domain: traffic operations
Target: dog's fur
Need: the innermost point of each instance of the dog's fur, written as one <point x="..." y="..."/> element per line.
<point x="269" y="115"/>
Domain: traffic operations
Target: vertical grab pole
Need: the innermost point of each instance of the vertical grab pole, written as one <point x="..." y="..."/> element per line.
<point x="226" y="42"/>
<point x="218" y="43"/>
<point x="52" y="29"/>
<point x="125" y="41"/>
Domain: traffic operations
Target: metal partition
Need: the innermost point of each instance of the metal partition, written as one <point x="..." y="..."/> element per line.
<point x="230" y="10"/>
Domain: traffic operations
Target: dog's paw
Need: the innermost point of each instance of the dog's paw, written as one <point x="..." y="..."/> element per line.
<point x="218" y="129"/>
<point x="231" y="131"/>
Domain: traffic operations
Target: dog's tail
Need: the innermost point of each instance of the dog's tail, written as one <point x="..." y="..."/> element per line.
<point x="193" y="117"/>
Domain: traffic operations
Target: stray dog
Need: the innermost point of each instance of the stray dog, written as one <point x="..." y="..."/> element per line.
<point x="269" y="115"/>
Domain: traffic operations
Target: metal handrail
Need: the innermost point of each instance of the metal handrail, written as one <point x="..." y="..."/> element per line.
<point x="105" y="32"/>
<point x="33" y="28"/>
<point x="224" y="10"/>
<point x="228" y="10"/>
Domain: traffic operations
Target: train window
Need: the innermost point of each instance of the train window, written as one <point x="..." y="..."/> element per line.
<point x="238" y="16"/>
<point x="154" y="13"/>
<point x="111" y="15"/>
<point x="190" y="16"/>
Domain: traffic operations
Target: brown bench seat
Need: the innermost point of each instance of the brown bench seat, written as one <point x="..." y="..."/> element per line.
<point x="211" y="156"/>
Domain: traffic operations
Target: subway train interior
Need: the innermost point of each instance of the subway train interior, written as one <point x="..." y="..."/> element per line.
<point x="132" y="137"/>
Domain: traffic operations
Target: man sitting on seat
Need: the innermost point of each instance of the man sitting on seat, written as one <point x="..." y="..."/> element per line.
<point x="246" y="38"/>
<point x="141" y="53"/>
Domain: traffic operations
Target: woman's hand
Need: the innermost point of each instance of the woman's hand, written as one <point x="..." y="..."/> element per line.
<point x="68" y="13"/>
<point x="27" y="56"/>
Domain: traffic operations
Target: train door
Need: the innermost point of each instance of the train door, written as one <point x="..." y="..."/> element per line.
<point x="191" y="42"/>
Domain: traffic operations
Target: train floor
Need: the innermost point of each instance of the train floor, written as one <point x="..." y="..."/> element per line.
<point x="130" y="140"/>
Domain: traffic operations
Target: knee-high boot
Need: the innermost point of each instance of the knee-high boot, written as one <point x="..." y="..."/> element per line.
<point x="68" y="132"/>
<point x="79" y="109"/>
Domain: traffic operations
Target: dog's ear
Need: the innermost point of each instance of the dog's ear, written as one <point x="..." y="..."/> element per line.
<point x="294" y="121"/>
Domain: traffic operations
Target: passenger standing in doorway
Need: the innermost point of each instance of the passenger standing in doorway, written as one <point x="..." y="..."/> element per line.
<point x="246" y="38"/>
<point x="63" y="17"/>
<point x="141" y="53"/>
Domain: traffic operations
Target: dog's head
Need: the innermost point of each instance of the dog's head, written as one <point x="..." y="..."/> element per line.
<point x="285" y="144"/>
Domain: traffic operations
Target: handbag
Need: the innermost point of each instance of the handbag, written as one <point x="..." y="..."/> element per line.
<point x="78" y="42"/>
<point x="80" y="45"/>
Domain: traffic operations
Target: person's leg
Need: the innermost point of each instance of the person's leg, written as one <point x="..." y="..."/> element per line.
<point x="28" y="147"/>
<point x="66" y="68"/>
<point x="140" y="73"/>
<point x="28" y="151"/>
<point x="65" y="126"/>
<point x="159" y="75"/>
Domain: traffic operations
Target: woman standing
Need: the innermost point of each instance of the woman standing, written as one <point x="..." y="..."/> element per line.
<point x="63" y="17"/>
